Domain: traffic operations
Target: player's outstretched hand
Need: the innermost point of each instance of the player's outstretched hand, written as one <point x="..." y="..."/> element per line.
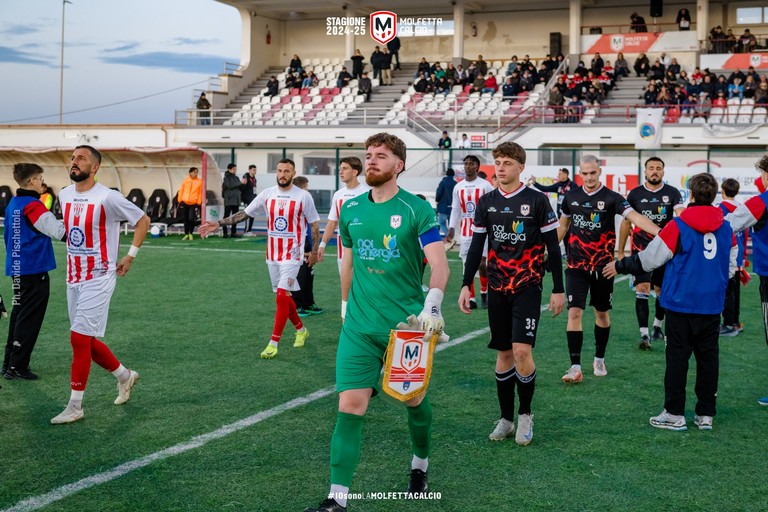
<point x="464" y="300"/>
<point x="320" y="254"/>
<point x="125" y="265"/>
<point x="208" y="228"/>
<point x="556" y="303"/>
<point x="609" y="270"/>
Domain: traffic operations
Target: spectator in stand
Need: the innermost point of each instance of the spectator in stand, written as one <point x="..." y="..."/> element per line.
<point x="420" y="84"/>
<point x="509" y="90"/>
<point x="606" y="80"/>
<point x="377" y="62"/>
<point x="721" y="85"/>
<point x="703" y="106"/>
<point x="637" y="23"/>
<point x="482" y="66"/>
<point x="357" y="64"/>
<point x="273" y="87"/>
<point x="761" y="94"/>
<point x="720" y="100"/>
<point x="445" y="141"/>
<point x="290" y="80"/>
<point x="651" y="95"/>
<point x="423" y="67"/>
<point x="460" y="76"/>
<point x="431" y="83"/>
<point x="526" y="82"/>
<point x="450" y="74"/>
<point x="491" y="85"/>
<point x="471" y="73"/>
<point x="364" y="86"/>
<point x="581" y="70"/>
<point x="204" y="110"/>
<point x="394" y="49"/>
<point x="664" y="97"/>
<point x="737" y="73"/>
<point x="551" y="64"/>
<point x="730" y="41"/>
<point x="751" y="72"/>
<point x="544" y="74"/>
<point x="683" y="19"/>
<point x="438" y="70"/>
<point x="344" y="78"/>
<point x="708" y="86"/>
<point x="678" y="95"/>
<point x="464" y="144"/>
<point x="670" y="78"/>
<point x="656" y="71"/>
<point x="442" y="86"/>
<point x="295" y="64"/>
<point x="248" y="195"/>
<point x="622" y="66"/>
<point x="575" y="110"/>
<point x="310" y="81"/>
<point x="697" y="74"/>
<point x="609" y="70"/>
<point x="736" y="89"/>
<point x="597" y="64"/>
<point x="750" y="87"/>
<point x="512" y="66"/>
<point x="592" y="97"/>
<point x="642" y="65"/>
<point x="556" y="101"/>
<point x="692" y="89"/>
<point x="190" y="199"/>
<point x="665" y="59"/>
<point x="688" y="105"/>
<point x="717" y="39"/>
<point x="674" y="66"/>
<point x="683" y="79"/>
<point x="231" y="189"/>
<point x="747" y="42"/>
<point x="386" y="67"/>
<point x="478" y="84"/>
<point x="444" y="199"/>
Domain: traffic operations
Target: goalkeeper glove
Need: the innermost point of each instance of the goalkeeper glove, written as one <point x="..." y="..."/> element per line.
<point x="413" y="324"/>
<point x="430" y="319"/>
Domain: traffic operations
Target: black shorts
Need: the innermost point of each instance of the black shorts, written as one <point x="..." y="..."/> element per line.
<point x="579" y="283"/>
<point x="514" y="318"/>
<point x="655" y="277"/>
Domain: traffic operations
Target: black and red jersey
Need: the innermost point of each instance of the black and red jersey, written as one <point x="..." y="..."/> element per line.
<point x="514" y="223"/>
<point x="592" y="236"/>
<point x="657" y="205"/>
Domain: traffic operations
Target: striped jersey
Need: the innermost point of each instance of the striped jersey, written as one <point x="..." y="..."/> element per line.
<point x="466" y="194"/>
<point x="339" y="198"/>
<point x="288" y="214"/>
<point x="92" y="220"/>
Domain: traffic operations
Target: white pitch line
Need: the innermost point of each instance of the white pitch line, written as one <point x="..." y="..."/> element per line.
<point x="65" y="491"/>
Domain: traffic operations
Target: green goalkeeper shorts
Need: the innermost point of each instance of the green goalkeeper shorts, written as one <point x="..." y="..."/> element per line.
<point x="359" y="360"/>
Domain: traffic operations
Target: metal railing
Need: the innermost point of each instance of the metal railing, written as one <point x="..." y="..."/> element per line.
<point x="230" y="68"/>
<point x="652" y="27"/>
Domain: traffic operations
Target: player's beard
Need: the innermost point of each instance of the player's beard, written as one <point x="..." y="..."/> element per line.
<point x="375" y="179"/>
<point x="654" y="181"/>
<point x="283" y="183"/>
<point x="77" y="178"/>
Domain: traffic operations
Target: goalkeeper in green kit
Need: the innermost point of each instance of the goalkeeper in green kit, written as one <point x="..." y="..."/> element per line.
<point x="386" y="231"/>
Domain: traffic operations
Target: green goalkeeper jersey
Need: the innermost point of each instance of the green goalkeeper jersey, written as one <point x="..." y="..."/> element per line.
<point x="384" y="239"/>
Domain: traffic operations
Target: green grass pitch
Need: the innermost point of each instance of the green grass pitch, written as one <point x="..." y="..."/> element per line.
<point x="192" y="318"/>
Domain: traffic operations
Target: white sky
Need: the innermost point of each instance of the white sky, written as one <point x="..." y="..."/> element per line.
<point x="115" y="50"/>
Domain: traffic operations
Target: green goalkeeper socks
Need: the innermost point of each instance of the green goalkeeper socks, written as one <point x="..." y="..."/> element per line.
<point x="346" y="442"/>
<point x="420" y="426"/>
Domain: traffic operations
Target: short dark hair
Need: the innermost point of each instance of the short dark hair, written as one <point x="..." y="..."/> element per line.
<point x="653" y="159"/>
<point x="730" y="187"/>
<point x="287" y="161"/>
<point x="450" y="172"/>
<point x="393" y="143"/>
<point x="510" y="150"/>
<point x="22" y="172"/>
<point x="230" y="166"/>
<point x="353" y="162"/>
<point x="703" y="188"/>
<point x="300" y="181"/>
<point x="566" y="171"/>
<point x="192" y="169"/>
<point x="762" y="164"/>
<point x="472" y="158"/>
<point x="94" y="153"/>
<point x="482" y="174"/>
<point x="252" y="166"/>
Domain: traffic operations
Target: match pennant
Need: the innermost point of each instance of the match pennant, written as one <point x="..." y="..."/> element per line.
<point x="408" y="364"/>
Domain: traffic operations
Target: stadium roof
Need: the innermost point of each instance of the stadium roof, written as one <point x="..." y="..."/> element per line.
<point x="312" y="9"/>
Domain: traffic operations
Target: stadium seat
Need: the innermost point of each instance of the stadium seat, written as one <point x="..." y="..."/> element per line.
<point x="157" y="205"/>
<point x="759" y="115"/>
<point x="136" y="196"/>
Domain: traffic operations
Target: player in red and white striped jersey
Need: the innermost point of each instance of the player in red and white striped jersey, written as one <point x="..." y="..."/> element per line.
<point x="289" y="209"/>
<point x="350" y="170"/>
<point x="92" y="216"/>
<point x="466" y="194"/>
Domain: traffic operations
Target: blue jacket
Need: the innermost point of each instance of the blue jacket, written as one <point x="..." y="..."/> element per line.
<point x="444" y="195"/>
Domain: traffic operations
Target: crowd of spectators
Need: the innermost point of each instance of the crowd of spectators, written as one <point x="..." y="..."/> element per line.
<point x="726" y="42"/>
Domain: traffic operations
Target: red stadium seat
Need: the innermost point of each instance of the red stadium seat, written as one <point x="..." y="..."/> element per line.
<point x="294" y="92"/>
<point x="325" y="91"/>
<point x="304" y="92"/>
<point x="335" y="91"/>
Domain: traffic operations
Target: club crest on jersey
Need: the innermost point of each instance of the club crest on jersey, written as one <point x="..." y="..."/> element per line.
<point x="470" y="207"/>
<point x="395" y="221"/>
<point x="601" y="205"/>
<point x="665" y="199"/>
<point x="76" y="237"/>
<point x="525" y="209"/>
<point x="78" y="209"/>
<point x="281" y="224"/>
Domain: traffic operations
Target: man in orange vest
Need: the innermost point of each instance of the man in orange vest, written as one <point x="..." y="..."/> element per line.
<point x="190" y="199"/>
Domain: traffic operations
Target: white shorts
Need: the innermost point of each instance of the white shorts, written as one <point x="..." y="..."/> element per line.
<point x="283" y="275"/>
<point x="464" y="248"/>
<point x="88" y="305"/>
